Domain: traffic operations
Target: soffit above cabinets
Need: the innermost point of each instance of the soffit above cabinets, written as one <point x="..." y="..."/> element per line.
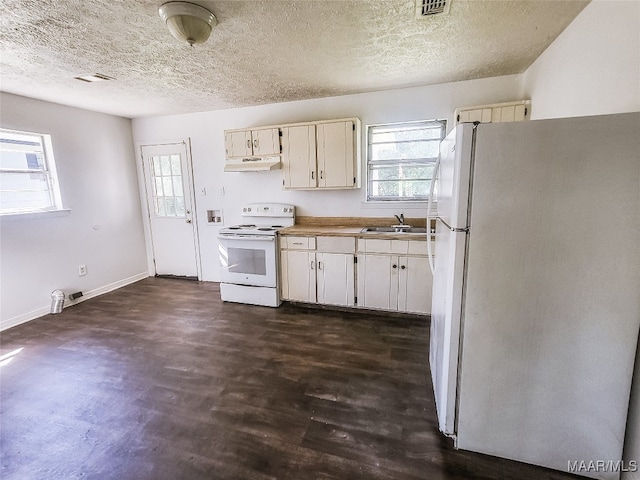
<point x="262" y="51"/>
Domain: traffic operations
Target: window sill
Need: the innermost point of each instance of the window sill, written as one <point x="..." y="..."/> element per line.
<point x="394" y="204"/>
<point x="36" y="215"/>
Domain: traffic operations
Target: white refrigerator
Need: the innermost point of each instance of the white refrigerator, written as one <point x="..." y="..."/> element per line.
<point x="536" y="291"/>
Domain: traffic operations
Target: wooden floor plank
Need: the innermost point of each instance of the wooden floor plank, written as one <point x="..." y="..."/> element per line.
<point x="162" y="380"/>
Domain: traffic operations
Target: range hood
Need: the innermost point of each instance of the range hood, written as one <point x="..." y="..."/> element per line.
<point x="253" y="164"/>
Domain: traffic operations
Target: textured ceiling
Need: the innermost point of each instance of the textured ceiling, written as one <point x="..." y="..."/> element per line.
<point x="262" y="51"/>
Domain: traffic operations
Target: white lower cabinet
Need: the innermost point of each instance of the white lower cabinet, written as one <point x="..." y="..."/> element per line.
<point x="394" y="275"/>
<point x="391" y="275"/>
<point x="375" y="286"/>
<point x="414" y="285"/>
<point x="298" y="275"/>
<point x="325" y="277"/>
<point x="396" y="283"/>
<point x="335" y="279"/>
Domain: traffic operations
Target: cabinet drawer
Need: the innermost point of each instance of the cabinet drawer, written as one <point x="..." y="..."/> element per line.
<point x="336" y="244"/>
<point x="379" y="245"/>
<point x="299" y="243"/>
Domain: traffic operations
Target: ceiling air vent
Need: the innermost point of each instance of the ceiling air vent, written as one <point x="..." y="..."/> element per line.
<point x="97" y="77"/>
<point x="425" y="8"/>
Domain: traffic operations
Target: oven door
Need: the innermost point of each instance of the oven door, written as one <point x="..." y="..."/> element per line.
<point x="248" y="260"/>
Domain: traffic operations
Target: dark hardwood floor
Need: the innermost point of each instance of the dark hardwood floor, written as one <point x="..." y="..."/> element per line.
<point x="162" y="380"/>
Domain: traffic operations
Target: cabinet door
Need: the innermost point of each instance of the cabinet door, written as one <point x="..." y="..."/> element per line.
<point x="378" y="281"/>
<point x="298" y="275"/>
<point x="299" y="156"/>
<point x="266" y="142"/>
<point x="335" y="277"/>
<point x="414" y="285"/>
<point x="238" y="144"/>
<point x="336" y="161"/>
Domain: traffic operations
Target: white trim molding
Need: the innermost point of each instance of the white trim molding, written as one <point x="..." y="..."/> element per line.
<point x="39" y="312"/>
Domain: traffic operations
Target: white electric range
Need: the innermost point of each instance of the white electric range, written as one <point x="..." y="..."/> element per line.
<point x="249" y="257"/>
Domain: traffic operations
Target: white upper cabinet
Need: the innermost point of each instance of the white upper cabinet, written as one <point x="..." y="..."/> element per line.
<point x="252" y="143"/>
<point x="322" y="155"/>
<point x="238" y="144"/>
<point x="495" y="113"/>
<point x="336" y="147"/>
<point x="266" y="142"/>
<point x="299" y="156"/>
<point x="314" y="155"/>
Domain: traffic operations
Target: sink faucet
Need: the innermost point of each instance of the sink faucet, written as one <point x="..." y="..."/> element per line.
<point x="400" y="218"/>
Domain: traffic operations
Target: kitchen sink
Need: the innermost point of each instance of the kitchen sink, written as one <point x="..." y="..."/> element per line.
<point x="395" y="229"/>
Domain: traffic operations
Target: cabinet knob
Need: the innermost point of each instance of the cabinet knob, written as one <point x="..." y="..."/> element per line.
<point x="403" y="267"/>
<point x="395" y="266"/>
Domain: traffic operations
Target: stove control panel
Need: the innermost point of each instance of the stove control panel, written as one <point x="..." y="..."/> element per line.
<point x="268" y="210"/>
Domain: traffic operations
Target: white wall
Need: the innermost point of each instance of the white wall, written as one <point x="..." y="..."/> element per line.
<point x="206" y="131"/>
<point x="593" y="67"/>
<point x="103" y="230"/>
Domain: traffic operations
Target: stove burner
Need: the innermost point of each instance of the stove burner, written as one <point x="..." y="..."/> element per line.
<point x="240" y="227"/>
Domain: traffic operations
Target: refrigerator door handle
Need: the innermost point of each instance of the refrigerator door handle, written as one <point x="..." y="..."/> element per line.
<point x="429" y="204"/>
<point x="452" y="229"/>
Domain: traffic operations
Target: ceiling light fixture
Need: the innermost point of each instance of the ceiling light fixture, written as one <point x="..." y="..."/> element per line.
<point x="188" y="22"/>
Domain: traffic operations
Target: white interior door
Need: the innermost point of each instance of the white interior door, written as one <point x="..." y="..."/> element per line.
<point x="170" y="204"/>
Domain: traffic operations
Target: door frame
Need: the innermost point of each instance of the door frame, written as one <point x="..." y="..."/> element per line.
<point x="144" y="197"/>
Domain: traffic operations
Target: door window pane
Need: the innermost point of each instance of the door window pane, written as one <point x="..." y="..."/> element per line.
<point x="175" y="165"/>
<point x="180" y="210"/>
<point x="168" y="188"/>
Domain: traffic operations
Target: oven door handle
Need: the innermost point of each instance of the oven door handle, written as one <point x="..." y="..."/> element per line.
<point x="235" y="236"/>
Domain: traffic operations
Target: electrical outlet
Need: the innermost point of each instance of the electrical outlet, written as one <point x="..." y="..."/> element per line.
<point x="82" y="270"/>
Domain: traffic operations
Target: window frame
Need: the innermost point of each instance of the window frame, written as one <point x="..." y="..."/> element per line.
<point x="48" y="170"/>
<point x="372" y="164"/>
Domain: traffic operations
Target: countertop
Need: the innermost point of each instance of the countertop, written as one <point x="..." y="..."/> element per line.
<point x="347" y="231"/>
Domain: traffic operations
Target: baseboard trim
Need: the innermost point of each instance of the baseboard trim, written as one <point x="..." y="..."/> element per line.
<point x="39" y="312"/>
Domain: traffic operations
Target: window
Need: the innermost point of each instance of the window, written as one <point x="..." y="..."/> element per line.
<point x="28" y="182"/>
<point x="168" y="195"/>
<point x="401" y="158"/>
